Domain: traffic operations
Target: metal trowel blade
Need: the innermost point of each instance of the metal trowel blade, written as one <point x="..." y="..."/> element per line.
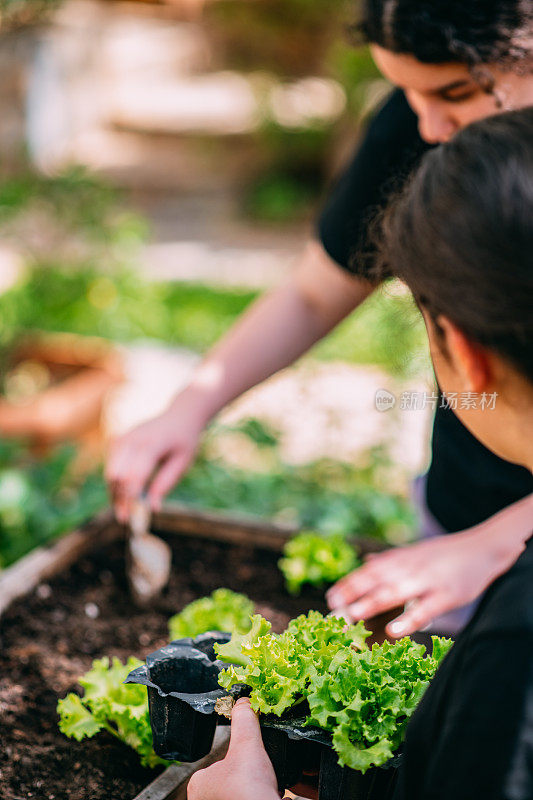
<point x="149" y="557"/>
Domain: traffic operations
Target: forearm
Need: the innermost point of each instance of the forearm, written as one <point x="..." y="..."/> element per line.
<point x="277" y="329"/>
<point x="509" y="528"/>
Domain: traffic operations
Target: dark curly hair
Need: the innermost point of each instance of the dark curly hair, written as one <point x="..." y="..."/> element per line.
<point x="473" y="32"/>
<point x="460" y="235"/>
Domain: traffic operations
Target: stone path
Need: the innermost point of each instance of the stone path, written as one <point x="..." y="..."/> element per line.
<point x="320" y="409"/>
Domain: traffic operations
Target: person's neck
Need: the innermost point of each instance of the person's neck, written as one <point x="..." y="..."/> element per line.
<point x="519" y="435"/>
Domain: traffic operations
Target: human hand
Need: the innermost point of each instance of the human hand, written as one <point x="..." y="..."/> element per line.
<point x="155" y="454"/>
<point x="432" y="577"/>
<point x="246" y="773"/>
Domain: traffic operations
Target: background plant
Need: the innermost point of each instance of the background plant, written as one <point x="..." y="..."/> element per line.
<point x="107" y="704"/>
<point x="318" y="560"/>
<point x="223" y="610"/>
<point x="42" y="498"/>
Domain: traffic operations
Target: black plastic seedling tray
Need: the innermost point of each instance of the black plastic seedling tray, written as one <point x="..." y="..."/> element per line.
<point x="182" y="683"/>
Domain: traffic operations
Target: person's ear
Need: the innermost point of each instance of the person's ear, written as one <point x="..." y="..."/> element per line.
<point x="469" y="359"/>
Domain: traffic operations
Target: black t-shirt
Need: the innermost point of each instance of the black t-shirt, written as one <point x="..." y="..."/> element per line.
<point x="466" y="482"/>
<point x="471" y="737"/>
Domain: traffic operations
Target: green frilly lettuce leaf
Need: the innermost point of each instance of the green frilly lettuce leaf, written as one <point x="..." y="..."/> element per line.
<point x="363" y="696"/>
<point x="223" y="610"/>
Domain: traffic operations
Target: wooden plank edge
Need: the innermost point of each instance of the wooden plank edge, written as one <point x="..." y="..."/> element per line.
<point x="224" y="526"/>
<point x="167" y="785"/>
<point x="176" y="518"/>
<point x="45" y="562"/>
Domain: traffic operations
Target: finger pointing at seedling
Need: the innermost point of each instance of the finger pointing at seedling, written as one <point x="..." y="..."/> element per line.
<point x="245" y="729"/>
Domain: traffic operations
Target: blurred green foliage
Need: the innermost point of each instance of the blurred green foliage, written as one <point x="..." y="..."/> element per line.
<point x="387" y="331"/>
<point x="291" y="172"/>
<point x="283" y="41"/>
<point x="278" y="197"/>
<point x="73" y="203"/>
<point x="41" y="499"/>
<point x="117" y="305"/>
<point x="16" y="14"/>
<point x="89" y="287"/>
<point x="329" y="496"/>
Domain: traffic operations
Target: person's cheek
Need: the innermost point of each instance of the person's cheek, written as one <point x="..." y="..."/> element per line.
<point x="481" y="106"/>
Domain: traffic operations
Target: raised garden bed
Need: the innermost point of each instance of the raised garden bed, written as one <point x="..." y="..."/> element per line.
<point x="65" y="605"/>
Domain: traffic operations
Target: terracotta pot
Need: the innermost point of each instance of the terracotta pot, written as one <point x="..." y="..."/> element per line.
<point x="81" y="371"/>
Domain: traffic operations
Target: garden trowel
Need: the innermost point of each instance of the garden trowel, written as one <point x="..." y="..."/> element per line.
<point x="149" y="557"/>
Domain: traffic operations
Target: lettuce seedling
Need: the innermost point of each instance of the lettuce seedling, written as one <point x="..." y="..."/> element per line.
<point x="122" y="709"/>
<point x="110" y="704"/>
<point x="223" y="610"/>
<point x="316" y="559"/>
<point x="363" y="696"/>
<point x="366" y="698"/>
<point x="279" y="667"/>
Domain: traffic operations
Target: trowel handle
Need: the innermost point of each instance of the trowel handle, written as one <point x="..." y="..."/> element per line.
<point x="140" y="516"/>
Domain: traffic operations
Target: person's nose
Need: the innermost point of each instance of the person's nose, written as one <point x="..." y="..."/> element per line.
<point x="434" y="122"/>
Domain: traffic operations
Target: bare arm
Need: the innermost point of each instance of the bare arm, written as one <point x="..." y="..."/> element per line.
<point x="277" y="329"/>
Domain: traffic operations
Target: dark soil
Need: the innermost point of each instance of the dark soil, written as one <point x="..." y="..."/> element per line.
<point x="50" y="638"/>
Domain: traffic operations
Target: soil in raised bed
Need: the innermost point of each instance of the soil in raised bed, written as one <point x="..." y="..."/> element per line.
<point x="50" y="638"/>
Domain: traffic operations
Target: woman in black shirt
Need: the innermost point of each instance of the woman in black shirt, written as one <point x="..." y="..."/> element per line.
<point x="454" y="62"/>
<point x="461" y="237"/>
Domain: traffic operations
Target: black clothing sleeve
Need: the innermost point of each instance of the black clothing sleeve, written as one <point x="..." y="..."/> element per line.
<point x="388" y="152"/>
<point x="471" y="737"/>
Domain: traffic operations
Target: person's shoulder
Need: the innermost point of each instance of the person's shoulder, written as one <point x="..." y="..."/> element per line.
<point x="507" y="608"/>
<point x="394" y="116"/>
<point x="395" y="105"/>
<point x="392" y="142"/>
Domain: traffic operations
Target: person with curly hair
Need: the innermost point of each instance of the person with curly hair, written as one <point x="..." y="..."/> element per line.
<point x="453" y="62"/>
<point x="461" y="237"/>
